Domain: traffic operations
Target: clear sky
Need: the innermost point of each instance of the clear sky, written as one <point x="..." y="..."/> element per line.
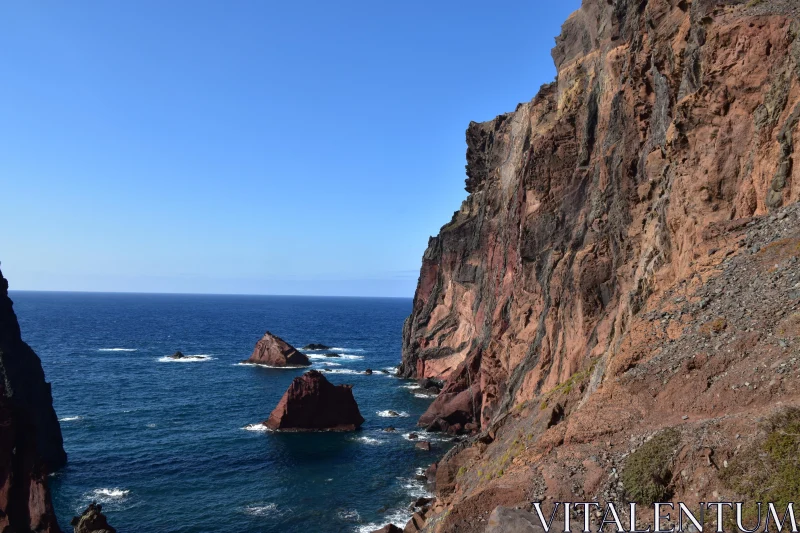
<point x="247" y="146"/>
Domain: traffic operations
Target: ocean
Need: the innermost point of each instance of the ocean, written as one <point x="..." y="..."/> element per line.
<point x="165" y="445"/>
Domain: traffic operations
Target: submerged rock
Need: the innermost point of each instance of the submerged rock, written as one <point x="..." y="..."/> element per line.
<point x="368" y="372"/>
<point x="314" y="346"/>
<point x="92" y="521"/>
<point x="177" y="355"/>
<point x="423" y="445"/>
<point x="312" y="403"/>
<point x="271" y="350"/>
<point x="331" y="354"/>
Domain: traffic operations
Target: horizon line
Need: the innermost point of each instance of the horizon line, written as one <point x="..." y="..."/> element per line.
<point x="10" y="290"/>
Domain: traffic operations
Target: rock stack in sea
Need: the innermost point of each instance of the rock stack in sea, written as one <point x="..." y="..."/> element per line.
<point x="312" y="403"/>
<point x="92" y="520"/>
<point x="271" y="350"/>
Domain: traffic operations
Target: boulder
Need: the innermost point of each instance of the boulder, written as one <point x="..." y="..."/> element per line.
<point x="92" y="521"/>
<point x="315" y="347"/>
<point x="420" y="503"/>
<point x="390" y="528"/>
<point x="423" y="445"/>
<point x="368" y="372"/>
<point x="312" y="403"/>
<point x="177" y="355"/>
<point x="508" y="520"/>
<point x="451" y="410"/>
<point x="271" y="350"/>
<point x="416" y="523"/>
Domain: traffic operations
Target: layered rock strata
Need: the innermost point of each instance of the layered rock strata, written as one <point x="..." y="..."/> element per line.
<point x="625" y="266"/>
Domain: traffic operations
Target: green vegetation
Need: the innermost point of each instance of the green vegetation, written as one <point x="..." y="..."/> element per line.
<point x="769" y="470"/>
<point x="647" y="472"/>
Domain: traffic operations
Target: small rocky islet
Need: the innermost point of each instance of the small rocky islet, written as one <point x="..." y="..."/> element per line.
<point x="312" y="403"/>
<point x="271" y="350"/>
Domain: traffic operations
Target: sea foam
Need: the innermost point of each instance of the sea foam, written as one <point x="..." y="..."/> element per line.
<point x="261" y="509"/>
<point x="117" y="349"/>
<point x="186" y="359"/>
<point x="256" y="427"/>
<point x="70" y="419"/>
<point x="392" y="414"/>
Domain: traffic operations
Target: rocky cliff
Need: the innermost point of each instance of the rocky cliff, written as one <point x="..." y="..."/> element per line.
<point x="624" y="264"/>
<point x="30" y="436"/>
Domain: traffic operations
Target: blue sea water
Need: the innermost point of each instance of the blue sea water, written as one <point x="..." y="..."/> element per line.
<point x="163" y="444"/>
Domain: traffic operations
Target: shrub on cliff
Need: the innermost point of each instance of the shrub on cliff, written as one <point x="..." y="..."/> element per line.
<point x="769" y="469"/>
<point x="646" y="474"/>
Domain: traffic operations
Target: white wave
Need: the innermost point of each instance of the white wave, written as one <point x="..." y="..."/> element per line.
<point x="186" y="358"/>
<point x="424" y="435"/>
<point x="415" y="488"/>
<point x="328" y="363"/>
<point x="425" y="396"/>
<point x="70" y="418"/>
<point x="392" y="414"/>
<point x="398" y="517"/>
<point x="256" y="427"/>
<point x="261" y="509"/>
<point x="369" y="440"/>
<point x="345" y="356"/>
<point x="270" y="366"/>
<point x="117" y="349"/>
<point x="151" y="426"/>
<point x="340" y="371"/>
<point x="109" y="495"/>
<point x="351" y="515"/>
<point x="345" y="350"/>
<point x="411" y="386"/>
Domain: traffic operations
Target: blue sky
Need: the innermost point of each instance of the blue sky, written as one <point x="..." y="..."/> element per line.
<point x="250" y="146"/>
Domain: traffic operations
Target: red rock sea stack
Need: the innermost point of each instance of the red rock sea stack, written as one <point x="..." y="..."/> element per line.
<point x="271" y="350"/>
<point x="312" y="403"/>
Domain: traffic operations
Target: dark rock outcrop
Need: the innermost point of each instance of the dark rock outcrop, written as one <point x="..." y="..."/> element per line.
<point x="92" y="521"/>
<point x="177" y="355"/>
<point x="312" y="403"/>
<point x="315" y="347"/>
<point x="390" y="528"/>
<point x="271" y="350"/>
<point x="31" y="445"/>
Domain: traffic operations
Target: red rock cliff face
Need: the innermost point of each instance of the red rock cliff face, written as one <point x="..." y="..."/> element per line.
<point x="30" y="436"/>
<point x="668" y="118"/>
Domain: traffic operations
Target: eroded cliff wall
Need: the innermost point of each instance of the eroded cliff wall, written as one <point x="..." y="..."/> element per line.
<point x="666" y="118"/>
<point x="614" y="308"/>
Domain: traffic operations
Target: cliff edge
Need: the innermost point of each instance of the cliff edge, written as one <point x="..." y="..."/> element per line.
<point x="625" y="263"/>
<point x="31" y="445"/>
